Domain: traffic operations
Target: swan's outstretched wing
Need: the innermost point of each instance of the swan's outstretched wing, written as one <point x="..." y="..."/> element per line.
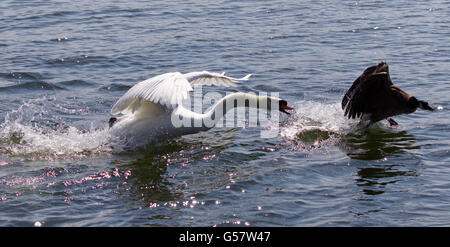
<point x="211" y="78"/>
<point x="165" y="90"/>
<point x="168" y="90"/>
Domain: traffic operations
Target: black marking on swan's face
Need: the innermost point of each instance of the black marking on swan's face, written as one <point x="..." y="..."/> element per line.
<point x="112" y="121"/>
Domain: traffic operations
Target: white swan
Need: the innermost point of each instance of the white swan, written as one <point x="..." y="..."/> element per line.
<point x="154" y="106"/>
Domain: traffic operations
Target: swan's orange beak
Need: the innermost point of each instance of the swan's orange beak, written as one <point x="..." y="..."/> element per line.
<point x="283" y="108"/>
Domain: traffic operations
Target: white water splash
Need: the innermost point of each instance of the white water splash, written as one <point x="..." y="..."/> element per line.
<point x="32" y="131"/>
<point x="315" y="123"/>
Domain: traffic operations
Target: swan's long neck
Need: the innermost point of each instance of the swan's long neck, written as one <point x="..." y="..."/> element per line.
<point x="234" y="100"/>
<point x="186" y="118"/>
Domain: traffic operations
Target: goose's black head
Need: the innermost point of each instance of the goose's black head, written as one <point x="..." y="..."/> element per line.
<point x="413" y="104"/>
<point x="283" y="106"/>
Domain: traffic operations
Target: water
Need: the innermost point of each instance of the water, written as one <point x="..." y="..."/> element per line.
<point x="63" y="64"/>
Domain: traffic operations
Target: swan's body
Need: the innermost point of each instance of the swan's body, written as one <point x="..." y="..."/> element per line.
<point x="154" y="107"/>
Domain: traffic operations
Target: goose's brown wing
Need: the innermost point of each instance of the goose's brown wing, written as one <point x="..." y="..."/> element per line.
<point x="368" y="95"/>
<point x="380" y="67"/>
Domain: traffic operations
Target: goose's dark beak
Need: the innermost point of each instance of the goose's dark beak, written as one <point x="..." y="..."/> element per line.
<point x="424" y="105"/>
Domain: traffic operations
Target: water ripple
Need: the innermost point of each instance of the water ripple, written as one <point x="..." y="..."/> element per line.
<point x="64" y="64"/>
<point x="31" y="86"/>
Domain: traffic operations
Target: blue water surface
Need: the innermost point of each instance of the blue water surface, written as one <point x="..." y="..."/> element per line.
<point x="63" y="64"/>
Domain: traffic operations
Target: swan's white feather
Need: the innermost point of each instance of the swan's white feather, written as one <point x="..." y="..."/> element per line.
<point x="168" y="90"/>
<point x="211" y="78"/>
<point x="165" y="90"/>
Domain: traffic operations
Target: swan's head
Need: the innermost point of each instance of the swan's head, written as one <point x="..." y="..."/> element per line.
<point x="283" y="106"/>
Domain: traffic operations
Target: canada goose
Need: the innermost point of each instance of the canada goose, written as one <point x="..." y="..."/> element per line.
<point x="153" y="105"/>
<point x="373" y="97"/>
